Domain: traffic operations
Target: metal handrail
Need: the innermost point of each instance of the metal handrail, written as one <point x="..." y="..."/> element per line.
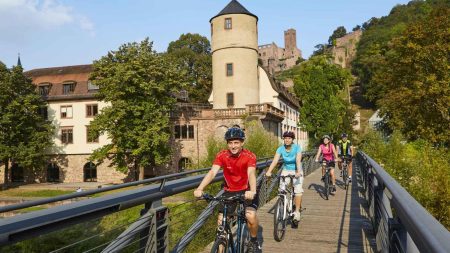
<point x="28" y="225"/>
<point x="95" y="191"/>
<point x="427" y="234"/>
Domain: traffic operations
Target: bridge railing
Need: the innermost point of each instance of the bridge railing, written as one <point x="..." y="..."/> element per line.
<point x="148" y="232"/>
<point x="401" y="224"/>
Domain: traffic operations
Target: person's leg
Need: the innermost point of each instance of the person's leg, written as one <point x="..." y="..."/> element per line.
<point x="333" y="179"/>
<point x="298" y="191"/>
<point x="252" y="222"/>
<point x="219" y="219"/>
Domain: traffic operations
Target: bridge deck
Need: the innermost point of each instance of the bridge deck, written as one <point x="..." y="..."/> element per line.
<point x="339" y="224"/>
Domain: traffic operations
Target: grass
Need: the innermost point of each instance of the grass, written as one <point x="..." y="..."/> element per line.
<point x="24" y="193"/>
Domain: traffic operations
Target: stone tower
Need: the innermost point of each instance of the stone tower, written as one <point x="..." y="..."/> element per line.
<point x="234" y="44"/>
<point x="290" y="42"/>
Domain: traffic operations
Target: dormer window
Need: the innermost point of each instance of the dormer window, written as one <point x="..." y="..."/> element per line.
<point x="44" y="89"/>
<point x="228" y="24"/>
<point x="92" y="87"/>
<point x="68" y="88"/>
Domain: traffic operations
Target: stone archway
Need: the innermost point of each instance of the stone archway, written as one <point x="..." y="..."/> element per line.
<point x="17" y="173"/>
<point x="90" y="172"/>
<point x="183" y="164"/>
<point x="52" y="172"/>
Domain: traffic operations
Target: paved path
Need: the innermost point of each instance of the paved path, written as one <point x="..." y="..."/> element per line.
<point x="339" y="224"/>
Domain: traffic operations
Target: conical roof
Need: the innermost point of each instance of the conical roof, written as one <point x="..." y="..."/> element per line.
<point x="234" y="7"/>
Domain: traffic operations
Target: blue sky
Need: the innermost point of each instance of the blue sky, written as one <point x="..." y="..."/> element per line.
<point x="50" y="33"/>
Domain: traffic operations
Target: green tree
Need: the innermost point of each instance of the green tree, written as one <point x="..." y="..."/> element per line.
<point x="192" y="53"/>
<point x="374" y="44"/>
<point x="416" y="80"/>
<point x="138" y="84"/>
<point x="338" y="33"/>
<point x="25" y="135"/>
<point x="318" y="82"/>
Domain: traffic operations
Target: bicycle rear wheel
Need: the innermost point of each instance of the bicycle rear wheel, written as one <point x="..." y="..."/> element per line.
<point x="221" y="246"/>
<point x="279" y="222"/>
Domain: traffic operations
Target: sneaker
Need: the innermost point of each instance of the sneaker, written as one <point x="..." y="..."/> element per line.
<point x="334" y="188"/>
<point x="253" y="247"/>
<point x="322" y="179"/>
<point x="349" y="179"/>
<point x="297" y="216"/>
<point x="341" y="173"/>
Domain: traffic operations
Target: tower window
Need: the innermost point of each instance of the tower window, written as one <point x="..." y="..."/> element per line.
<point x="229" y="69"/>
<point x="228" y="23"/>
<point x="230" y="99"/>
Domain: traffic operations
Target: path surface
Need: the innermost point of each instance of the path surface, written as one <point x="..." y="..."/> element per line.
<point x="339" y="224"/>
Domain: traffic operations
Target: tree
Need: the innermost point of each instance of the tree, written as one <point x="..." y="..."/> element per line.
<point x="317" y="82"/>
<point x="321" y="49"/>
<point x="25" y="135"/>
<point x="192" y="53"/>
<point x="139" y="86"/>
<point x="416" y="80"/>
<point x="374" y="44"/>
<point x="356" y="28"/>
<point x="338" y="33"/>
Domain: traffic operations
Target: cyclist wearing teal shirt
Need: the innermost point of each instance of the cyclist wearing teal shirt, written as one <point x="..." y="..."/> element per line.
<point x="292" y="165"/>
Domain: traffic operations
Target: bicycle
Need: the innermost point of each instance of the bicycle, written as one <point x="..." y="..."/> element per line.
<point x="224" y="242"/>
<point x="284" y="210"/>
<point x="327" y="165"/>
<point x="345" y="160"/>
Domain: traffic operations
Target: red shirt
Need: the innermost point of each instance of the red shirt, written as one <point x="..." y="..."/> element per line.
<point x="235" y="168"/>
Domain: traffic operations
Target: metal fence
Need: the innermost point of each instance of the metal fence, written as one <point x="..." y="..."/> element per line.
<point x="401" y="224"/>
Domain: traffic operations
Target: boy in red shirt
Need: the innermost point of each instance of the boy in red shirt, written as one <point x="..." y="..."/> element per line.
<point x="239" y="170"/>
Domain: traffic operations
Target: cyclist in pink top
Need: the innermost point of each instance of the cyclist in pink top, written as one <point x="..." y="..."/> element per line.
<point x="329" y="154"/>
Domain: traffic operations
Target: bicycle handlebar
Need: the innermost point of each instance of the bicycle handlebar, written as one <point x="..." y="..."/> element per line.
<point x="237" y="198"/>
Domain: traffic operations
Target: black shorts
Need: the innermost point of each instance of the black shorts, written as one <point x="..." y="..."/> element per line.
<point x="248" y="204"/>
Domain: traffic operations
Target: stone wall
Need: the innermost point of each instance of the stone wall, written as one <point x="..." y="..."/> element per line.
<point x="345" y="49"/>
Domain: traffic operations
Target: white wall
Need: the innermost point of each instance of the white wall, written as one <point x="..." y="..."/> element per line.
<point x="79" y="121"/>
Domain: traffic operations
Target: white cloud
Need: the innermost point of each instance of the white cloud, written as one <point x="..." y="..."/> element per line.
<point x="20" y="19"/>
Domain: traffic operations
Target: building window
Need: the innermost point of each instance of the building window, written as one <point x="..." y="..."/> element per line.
<point x="91" y="136"/>
<point x="44" y="89"/>
<point x="228" y="23"/>
<point x="92" y="87"/>
<point x="184" y="132"/>
<point x="230" y="99"/>
<point x="66" y="112"/>
<point x="229" y="69"/>
<point x="91" y="110"/>
<point x="43" y="112"/>
<point x="67" y="135"/>
<point x="68" y="88"/>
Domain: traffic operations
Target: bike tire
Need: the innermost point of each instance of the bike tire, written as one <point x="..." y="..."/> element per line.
<point x="245" y="238"/>
<point x="345" y="178"/>
<point x="279" y="224"/>
<point x="219" y="244"/>
<point x="327" y="186"/>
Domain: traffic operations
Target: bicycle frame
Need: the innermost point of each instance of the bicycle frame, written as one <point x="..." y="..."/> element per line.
<point x="225" y="227"/>
<point x="284" y="195"/>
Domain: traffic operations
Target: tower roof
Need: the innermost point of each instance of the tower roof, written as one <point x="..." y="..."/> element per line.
<point x="234" y="7"/>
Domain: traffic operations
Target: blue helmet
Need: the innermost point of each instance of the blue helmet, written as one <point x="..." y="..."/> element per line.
<point x="234" y="133"/>
<point x="344" y="135"/>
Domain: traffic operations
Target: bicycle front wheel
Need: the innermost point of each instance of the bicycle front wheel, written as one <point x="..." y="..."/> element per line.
<point x="345" y="177"/>
<point x="221" y="246"/>
<point x="327" y="185"/>
<point x="279" y="221"/>
<point x="245" y="238"/>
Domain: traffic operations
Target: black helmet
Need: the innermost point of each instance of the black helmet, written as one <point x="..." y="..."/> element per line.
<point x="326" y="136"/>
<point x="344" y="135"/>
<point x="289" y="134"/>
<point x="234" y="133"/>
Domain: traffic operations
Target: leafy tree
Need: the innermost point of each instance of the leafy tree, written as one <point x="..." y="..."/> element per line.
<point x="374" y="44"/>
<point x="317" y="82"/>
<point x="416" y="80"/>
<point x="338" y="33"/>
<point x="192" y="53"/>
<point x="321" y="49"/>
<point x="356" y="28"/>
<point x="24" y="133"/>
<point x="138" y="84"/>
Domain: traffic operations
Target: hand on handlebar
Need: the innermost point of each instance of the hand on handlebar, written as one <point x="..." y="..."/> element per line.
<point x="268" y="174"/>
<point x="298" y="174"/>
<point x="249" y="195"/>
<point x="198" y="193"/>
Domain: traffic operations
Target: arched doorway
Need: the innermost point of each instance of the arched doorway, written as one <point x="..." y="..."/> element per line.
<point x="183" y="164"/>
<point x="52" y="172"/>
<point x="17" y="173"/>
<point x="90" y="172"/>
